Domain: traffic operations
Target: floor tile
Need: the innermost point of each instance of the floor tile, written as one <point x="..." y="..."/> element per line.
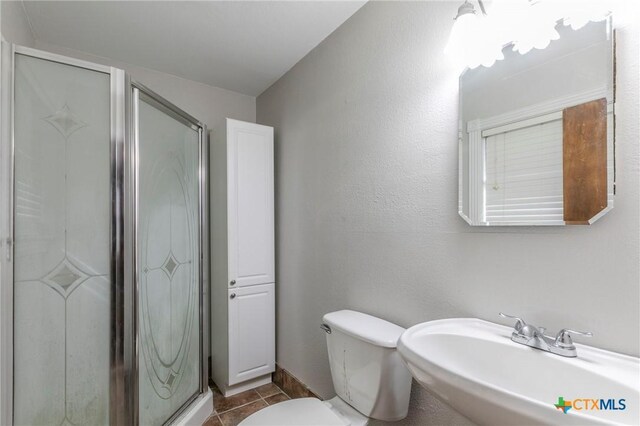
<point x="268" y="390"/>
<point x="233" y="417"/>
<point x="222" y="404"/>
<point x="212" y="421"/>
<point x="274" y="399"/>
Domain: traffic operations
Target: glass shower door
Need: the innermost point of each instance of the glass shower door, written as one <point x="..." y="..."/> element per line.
<point x="168" y="259"/>
<point x="62" y="207"/>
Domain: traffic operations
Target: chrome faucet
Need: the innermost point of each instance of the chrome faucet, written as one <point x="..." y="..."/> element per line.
<point x="527" y="334"/>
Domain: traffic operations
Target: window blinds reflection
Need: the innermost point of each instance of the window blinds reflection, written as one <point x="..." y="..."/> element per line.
<point x="523" y="175"/>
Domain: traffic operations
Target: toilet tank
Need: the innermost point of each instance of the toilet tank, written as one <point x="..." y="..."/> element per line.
<point x="366" y="368"/>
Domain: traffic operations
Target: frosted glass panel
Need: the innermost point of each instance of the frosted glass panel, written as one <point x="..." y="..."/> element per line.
<point x="168" y="264"/>
<point x="62" y="244"/>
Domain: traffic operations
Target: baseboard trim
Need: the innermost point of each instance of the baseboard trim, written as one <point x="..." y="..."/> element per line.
<point x="244" y="386"/>
<point x="291" y="385"/>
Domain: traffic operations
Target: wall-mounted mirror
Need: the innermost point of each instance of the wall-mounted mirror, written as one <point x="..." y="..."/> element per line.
<point x="537" y="133"/>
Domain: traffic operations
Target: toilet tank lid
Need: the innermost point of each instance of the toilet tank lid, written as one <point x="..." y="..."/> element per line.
<point x="365" y="327"/>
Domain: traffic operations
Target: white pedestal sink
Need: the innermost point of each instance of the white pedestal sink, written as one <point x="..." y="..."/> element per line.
<point x="475" y="367"/>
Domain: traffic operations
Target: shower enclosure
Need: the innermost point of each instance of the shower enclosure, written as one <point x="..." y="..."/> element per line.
<point x="104" y="267"/>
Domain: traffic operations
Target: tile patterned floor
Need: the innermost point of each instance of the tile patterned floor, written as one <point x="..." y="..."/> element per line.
<point x="232" y="410"/>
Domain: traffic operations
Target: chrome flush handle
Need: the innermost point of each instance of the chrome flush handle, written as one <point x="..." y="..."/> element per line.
<point x="326" y="328"/>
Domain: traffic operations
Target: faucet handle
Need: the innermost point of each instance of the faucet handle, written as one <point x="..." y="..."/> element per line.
<point x="519" y="321"/>
<point x="563" y="338"/>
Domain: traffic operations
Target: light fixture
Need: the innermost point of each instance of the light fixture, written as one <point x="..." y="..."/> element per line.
<point x="589" y="11"/>
<point x="528" y="24"/>
<point x="463" y="25"/>
<point x="472" y="41"/>
<point x="535" y="26"/>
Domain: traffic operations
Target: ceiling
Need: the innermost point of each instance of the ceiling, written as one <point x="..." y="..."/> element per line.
<point x="244" y="46"/>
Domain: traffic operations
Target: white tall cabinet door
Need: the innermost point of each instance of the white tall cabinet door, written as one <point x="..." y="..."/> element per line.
<point x="242" y="254"/>
<point x="251" y="332"/>
<point x="250" y="204"/>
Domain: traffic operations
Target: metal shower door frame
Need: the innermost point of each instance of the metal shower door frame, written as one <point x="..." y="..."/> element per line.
<point x="6" y="235"/>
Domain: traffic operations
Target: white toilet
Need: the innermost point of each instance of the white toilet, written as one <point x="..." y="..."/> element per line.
<point x="368" y="375"/>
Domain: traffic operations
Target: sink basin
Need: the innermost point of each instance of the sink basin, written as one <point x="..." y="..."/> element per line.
<point x="474" y="366"/>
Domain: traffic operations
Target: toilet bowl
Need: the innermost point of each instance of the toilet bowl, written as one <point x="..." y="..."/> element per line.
<point x="307" y="412"/>
<point x="369" y="378"/>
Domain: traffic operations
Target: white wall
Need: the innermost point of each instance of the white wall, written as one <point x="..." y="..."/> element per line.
<point x="366" y="190"/>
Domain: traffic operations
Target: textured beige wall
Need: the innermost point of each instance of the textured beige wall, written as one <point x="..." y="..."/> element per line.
<point x="366" y="199"/>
